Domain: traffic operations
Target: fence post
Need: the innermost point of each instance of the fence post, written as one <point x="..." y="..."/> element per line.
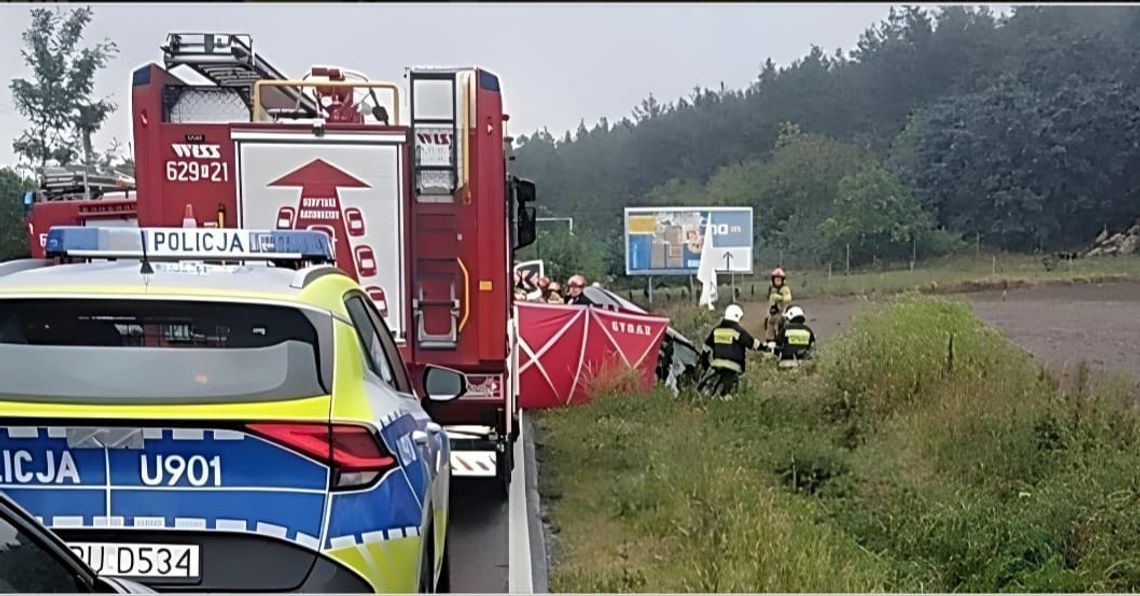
<point x="950" y="355"/>
<point x="848" y="258"/>
<point x="913" y="251"/>
<point x="829" y="273"/>
<point x="994" y="267"/>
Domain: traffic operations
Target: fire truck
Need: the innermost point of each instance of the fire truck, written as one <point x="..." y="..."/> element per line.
<point x="414" y="192"/>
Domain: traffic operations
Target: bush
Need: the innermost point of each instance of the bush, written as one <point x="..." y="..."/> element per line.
<point x="972" y="472"/>
<point x="896" y="356"/>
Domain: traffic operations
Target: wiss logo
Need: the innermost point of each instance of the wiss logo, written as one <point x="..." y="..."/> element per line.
<point x="185" y="150"/>
<point x="434" y="138"/>
<point x="630" y="328"/>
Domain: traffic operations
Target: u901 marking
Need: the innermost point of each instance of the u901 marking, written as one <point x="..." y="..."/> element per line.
<point x="169" y="470"/>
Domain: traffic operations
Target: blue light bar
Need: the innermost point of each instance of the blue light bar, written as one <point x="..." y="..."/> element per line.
<point x="176" y="244"/>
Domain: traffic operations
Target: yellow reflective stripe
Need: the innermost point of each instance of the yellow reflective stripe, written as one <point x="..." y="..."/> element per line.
<point x="387" y="565"/>
<point x="725" y="335"/>
<point x="723" y="363"/>
<point x="797" y="337"/>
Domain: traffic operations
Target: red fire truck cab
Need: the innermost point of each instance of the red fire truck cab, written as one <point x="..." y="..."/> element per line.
<point x="414" y="192"/>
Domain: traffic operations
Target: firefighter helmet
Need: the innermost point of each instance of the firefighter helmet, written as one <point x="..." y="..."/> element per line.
<point x="734" y="313"/>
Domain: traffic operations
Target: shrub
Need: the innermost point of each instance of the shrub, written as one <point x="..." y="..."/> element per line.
<point x="974" y="470"/>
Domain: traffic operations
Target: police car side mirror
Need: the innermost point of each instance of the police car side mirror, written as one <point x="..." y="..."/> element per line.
<point x="443" y="384"/>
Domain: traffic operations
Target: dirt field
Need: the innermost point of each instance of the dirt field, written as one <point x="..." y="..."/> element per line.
<point x="1060" y="325"/>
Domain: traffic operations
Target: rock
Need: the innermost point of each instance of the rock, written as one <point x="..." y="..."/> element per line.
<point x="1118" y="243"/>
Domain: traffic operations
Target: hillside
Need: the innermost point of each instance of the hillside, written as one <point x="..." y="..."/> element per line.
<point x="1022" y="133"/>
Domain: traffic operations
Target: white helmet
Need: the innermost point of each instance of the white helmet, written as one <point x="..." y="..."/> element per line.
<point x="734" y="313"/>
<point x="794" y="313"/>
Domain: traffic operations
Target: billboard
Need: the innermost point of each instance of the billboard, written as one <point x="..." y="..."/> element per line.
<point x="669" y="240"/>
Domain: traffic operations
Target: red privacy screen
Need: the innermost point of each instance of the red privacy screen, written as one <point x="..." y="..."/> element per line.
<point x="564" y="351"/>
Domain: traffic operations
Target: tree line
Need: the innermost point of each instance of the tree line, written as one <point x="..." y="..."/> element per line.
<point x="942" y="126"/>
<point x="58" y="102"/>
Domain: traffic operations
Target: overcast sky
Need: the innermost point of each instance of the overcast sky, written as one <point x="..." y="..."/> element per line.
<point x="559" y="63"/>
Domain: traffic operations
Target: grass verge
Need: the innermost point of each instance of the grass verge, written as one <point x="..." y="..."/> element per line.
<point x="895" y="463"/>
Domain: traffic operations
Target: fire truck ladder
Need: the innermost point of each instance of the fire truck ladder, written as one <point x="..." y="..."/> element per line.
<point x="435" y="174"/>
<point x="228" y="60"/>
<point x="434" y="118"/>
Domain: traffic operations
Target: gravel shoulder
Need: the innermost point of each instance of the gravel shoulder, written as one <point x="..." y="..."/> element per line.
<point x="1061" y="325"/>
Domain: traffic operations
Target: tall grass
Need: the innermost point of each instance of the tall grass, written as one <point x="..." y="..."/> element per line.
<point x="898" y="463"/>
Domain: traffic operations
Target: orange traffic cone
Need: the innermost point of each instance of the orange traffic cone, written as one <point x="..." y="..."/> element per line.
<point x="188" y="220"/>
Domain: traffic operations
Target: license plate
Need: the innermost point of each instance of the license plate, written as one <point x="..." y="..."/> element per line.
<point x="141" y="560"/>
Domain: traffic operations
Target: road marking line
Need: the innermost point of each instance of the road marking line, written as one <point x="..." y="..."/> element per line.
<point x="520" y="580"/>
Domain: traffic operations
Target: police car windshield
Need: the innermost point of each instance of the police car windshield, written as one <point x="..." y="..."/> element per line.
<point x="161" y="351"/>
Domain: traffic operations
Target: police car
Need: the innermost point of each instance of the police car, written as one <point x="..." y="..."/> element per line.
<point x="219" y="410"/>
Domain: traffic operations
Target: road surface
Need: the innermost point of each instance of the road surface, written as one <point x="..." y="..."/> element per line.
<point x="1063" y="325"/>
<point x="478" y="535"/>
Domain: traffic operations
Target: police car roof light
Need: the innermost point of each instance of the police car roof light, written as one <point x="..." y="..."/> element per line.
<point x="352" y="450"/>
<point x="167" y="244"/>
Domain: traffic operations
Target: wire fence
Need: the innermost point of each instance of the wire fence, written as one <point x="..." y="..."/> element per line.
<point x="943" y="275"/>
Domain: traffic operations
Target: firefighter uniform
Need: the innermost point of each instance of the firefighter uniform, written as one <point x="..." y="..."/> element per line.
<point x="779" y="297"/>
<point x="795" y="342"/>
<point x="727" y="344"/>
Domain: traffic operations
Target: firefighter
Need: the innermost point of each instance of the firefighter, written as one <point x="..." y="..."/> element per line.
<point x="574" y="287"/>
<point x="780" y="296"/>
<point x="796" y="340"/>
<point x="724" y="352"/>
<point x="540" y="295"/>
<point x="554" y="293"/>
<point x="520" y="287"/>
<point x="527" y="289"/>
<point x="775" y="319"/>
